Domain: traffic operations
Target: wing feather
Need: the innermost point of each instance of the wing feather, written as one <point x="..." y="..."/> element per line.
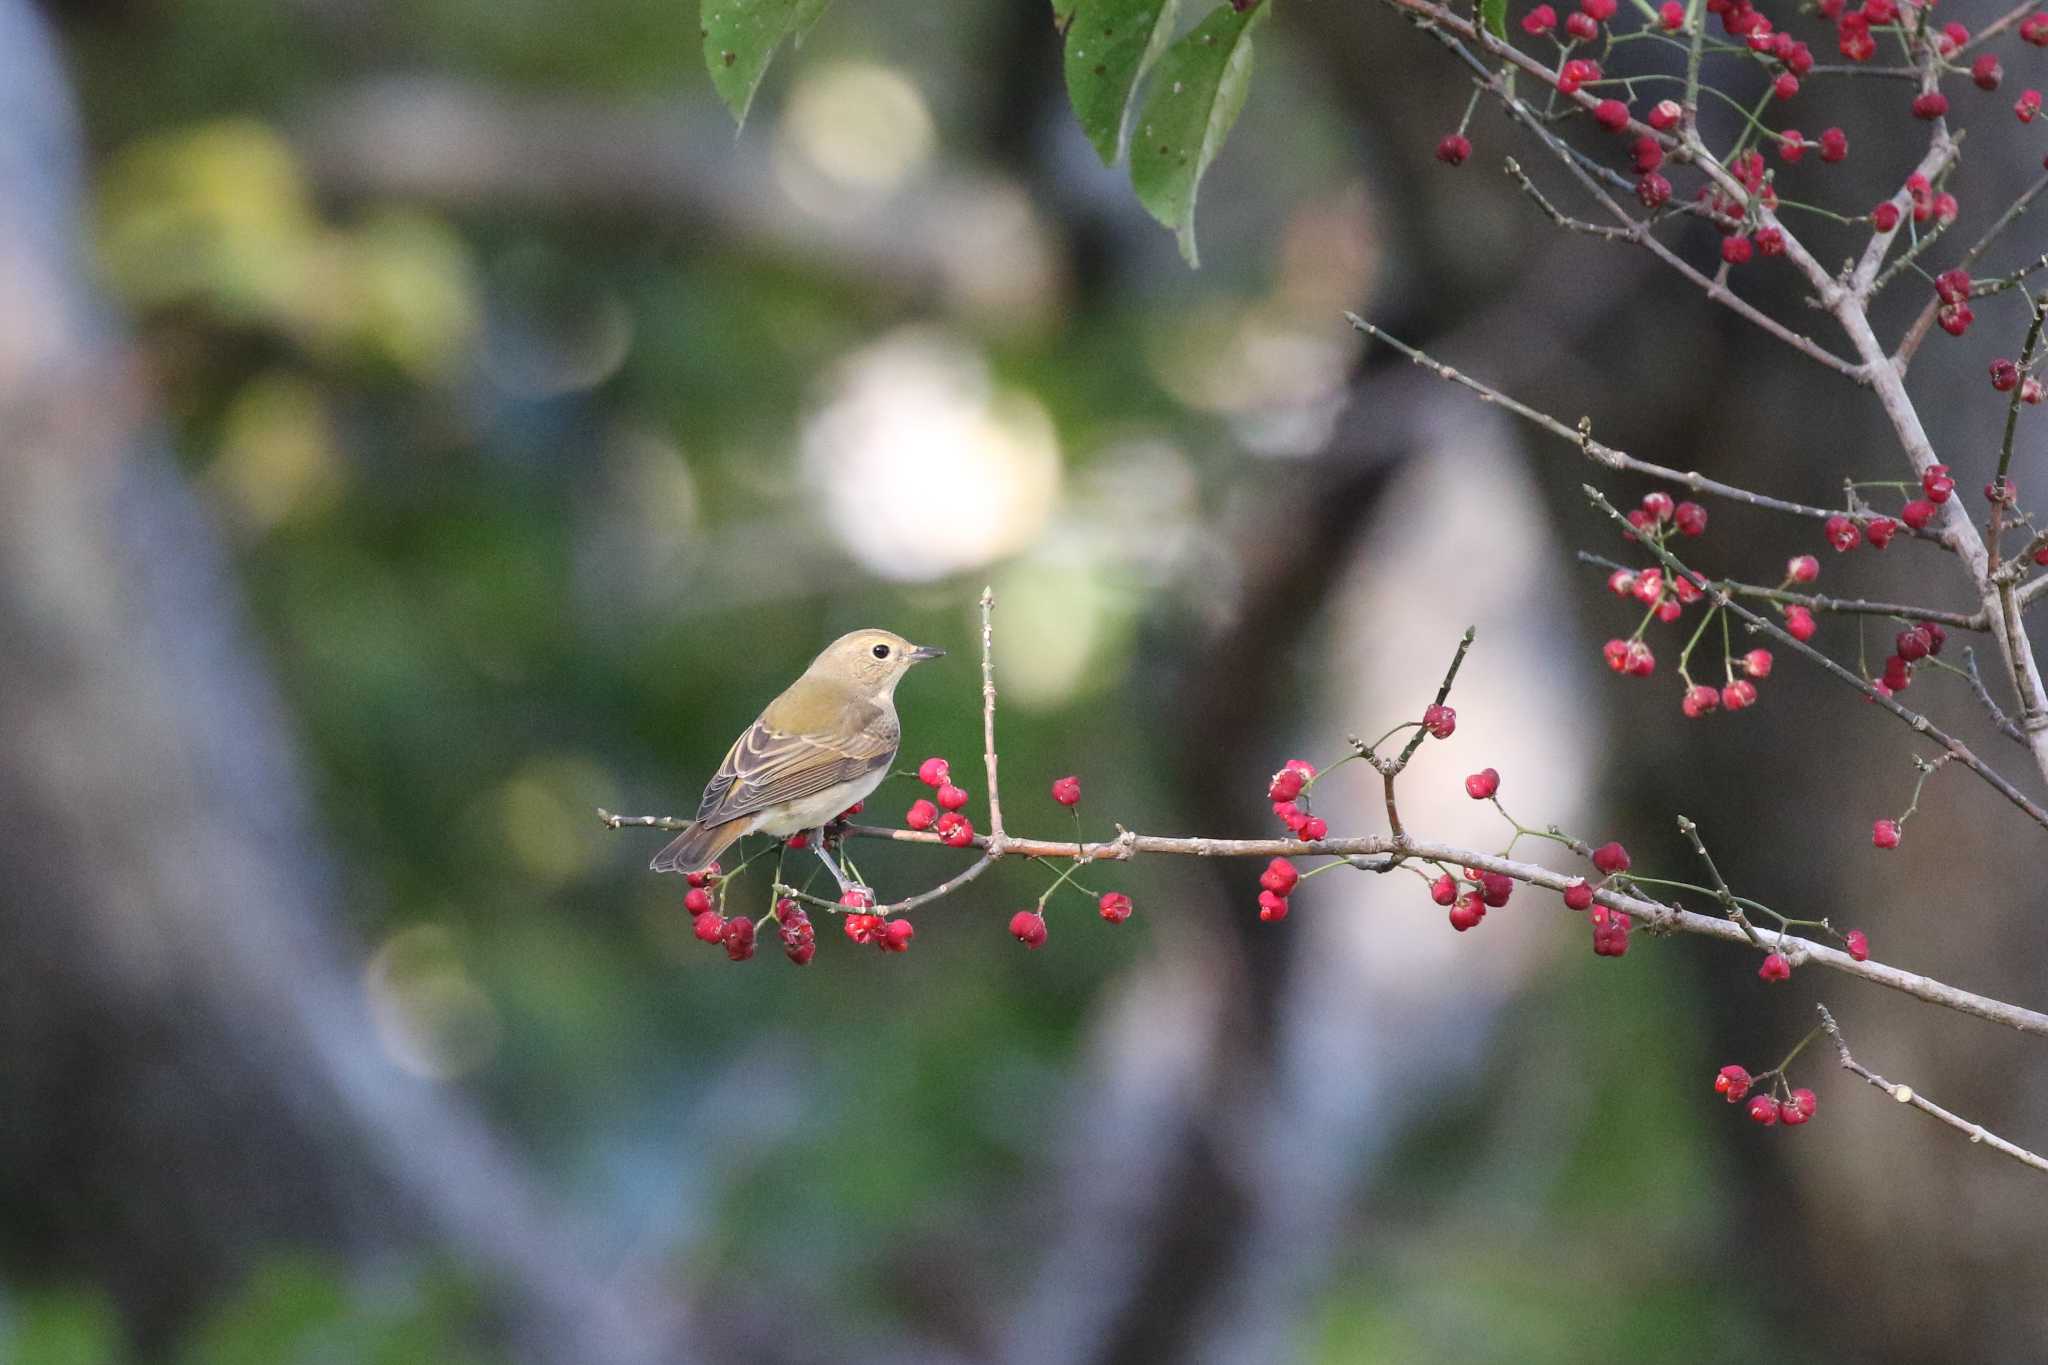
<point x="767" y="767"/>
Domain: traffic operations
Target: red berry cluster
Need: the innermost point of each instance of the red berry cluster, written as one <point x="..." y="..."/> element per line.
<point x="701" y="902"/>
<point x="1289" y="793"/>
<point x="1276" y="884"/>
<point x="1610" y="926"/>
<point x="1470" y="899"/>
<point x="1909" y="647"/>
<point x="799" y="938"/>
<point x="1666" y="597"/>
<point x="872" y="930"/>
<point x="954" y="829"/>
<point x="1789" y="1107"/>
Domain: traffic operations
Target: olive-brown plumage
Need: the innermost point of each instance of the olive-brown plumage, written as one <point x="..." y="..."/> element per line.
<point x="821" y="746"/>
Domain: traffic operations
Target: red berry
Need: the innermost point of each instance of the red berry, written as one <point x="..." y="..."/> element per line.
<point x="2005" y="376"/>
<point x="739" y="939"/>
<point x="1482" y="784"/>
<point x="1646" y="154"/>
<point x="1764" y="1110"/>
<point x="1611" y="858"/>
<point x="1931" y="105"/>
<point x="2030" y="387"/>
<point x="862" y="929"/>
<point x="1659" y="505"/>
<point x="1733" y="1082"/>
<point x="1539" y="21"/>
<point x="1279" y="876"/>
<point x="1671" y="15"/>
<point x="1917" y="513"/>
<point x="1272" y="906"/>
<point x="801" y="839"/>
<point x="1114" y="906"/>
<point x="1581" y="27"/>
<point x="1439" y="720"/>
<point x="1952" y="286"/>
<point x="1700" y="699"/>
<point x="1495" y="888"/>
<point x="1664" y="115"/>
<point x="1799" y="623"/>
<point x="959" y="835"/>
<point x="1313" y="829"/>
<point x="1576" y="73"/>
<point x="1611" y="115"/>
<point x="934" y="772"/>
<point x="1757" y="663"/>
<point x="1610" y="932"/>
<point x="1467" y="912"/>
<point x="1578" y="894"/>
<point x="896" y="936"/>
<point x="1885" y="834"/>
<point x="1067" y="791"/>
<point x="952" y="797"/>
<point x="1986" y="72"/>
<point x="1834" y="145"/>
<point x="1444" y="889"/>
<point x="921" y="814"/>
<point x="1897" y="675"/>
<point x="709" y="926"/>
<point x="1885" y="216"/>
<point x="1739" y="695"/>
<point x="1955" y="318"/>
<point x="2027" y="105"/>
<point x="1879" y="531"/>
<point x="1028" y="928"/>
<point x="705" y="877"/>
<point x="1912" y="644"/>
<point x="1775" y="967"/>
<point x="1858" y="944"/>
<point x="1802" y="568"/>
<point x="1936" y="636"/>
<point x="1805" y="1101"/>
<point x="1454" y="149"/>
<point x="1735" y="249"/>
<point x="1792" y="146"/>
<point x="697" y="900"/>
<point x="2034" y="29"/>
<point x="1841" y="533"/>
<point x="857" y="898"/>
<point x="1285" y="786"/>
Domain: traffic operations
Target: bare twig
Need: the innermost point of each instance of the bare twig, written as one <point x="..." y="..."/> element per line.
<point x="988" y="720"/>
<point x="1903" y="357"/>
<point x="1905" y="1094"/>
<point x="1998" y="717"/>
<point x="1594" y="450"/>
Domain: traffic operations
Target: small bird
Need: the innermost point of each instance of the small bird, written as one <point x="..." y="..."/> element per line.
<point x="819" y="747"/>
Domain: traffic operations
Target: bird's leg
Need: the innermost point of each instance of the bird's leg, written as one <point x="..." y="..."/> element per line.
<point x="838" y="874"/>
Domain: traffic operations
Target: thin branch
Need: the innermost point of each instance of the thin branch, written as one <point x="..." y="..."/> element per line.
<point x="1595" y="450"/>
<point x="1844" y="606"/>
<point x="988" y="720"/>
<point x="1998" y="717"/>
<point x="1905" y="1094"/>
<point x="1999" y="25"/>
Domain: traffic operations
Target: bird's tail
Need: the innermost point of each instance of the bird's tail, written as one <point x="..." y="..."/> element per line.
<point x="695" y="847"/>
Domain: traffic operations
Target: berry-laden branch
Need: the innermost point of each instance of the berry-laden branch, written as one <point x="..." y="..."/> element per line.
<point x="1741" y="199"/>
<point x="1905" y="1094"/>
<point x="1613" y="905"/>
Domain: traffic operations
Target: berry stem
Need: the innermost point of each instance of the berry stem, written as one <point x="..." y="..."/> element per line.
<point x="2039" y="307"/>
<point x="1729" y="901"/>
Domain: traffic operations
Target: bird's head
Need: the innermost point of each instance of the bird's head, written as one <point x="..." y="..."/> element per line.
<point x="871" y="662"/>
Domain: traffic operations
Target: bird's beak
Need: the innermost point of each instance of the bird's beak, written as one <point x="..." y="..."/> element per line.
<point x="919" y="653"/>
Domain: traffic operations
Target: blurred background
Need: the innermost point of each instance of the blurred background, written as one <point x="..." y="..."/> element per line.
<point x="426" y="423"/>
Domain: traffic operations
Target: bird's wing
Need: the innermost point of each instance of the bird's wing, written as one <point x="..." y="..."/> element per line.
<point x="768" y="767"/>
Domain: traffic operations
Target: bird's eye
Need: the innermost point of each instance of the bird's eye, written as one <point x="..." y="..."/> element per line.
<point x="881" y="651"/>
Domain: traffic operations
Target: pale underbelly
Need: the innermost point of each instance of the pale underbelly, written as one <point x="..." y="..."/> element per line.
<point x="817" y="810"/>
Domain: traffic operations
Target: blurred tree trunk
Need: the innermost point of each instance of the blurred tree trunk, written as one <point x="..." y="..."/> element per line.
<point x="189" y="1078"/>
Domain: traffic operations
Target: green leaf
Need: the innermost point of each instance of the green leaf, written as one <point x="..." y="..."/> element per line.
<point x="1110" y="46"/>
<point x="1494" y="14"/>
<point x="1195" y="98"/>
<point x="740" y="36"/>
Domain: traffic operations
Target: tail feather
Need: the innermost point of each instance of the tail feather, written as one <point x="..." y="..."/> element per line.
<point x="695" y="847"/>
